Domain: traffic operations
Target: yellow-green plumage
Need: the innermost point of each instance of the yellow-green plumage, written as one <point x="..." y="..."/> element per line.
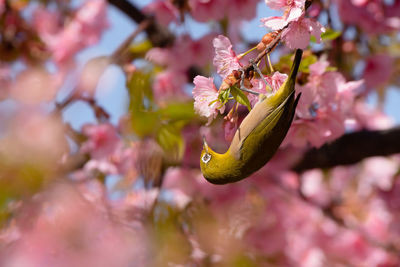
<point x="257" y="138"/>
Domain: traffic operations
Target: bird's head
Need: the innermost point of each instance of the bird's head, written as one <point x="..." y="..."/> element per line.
<point x="207" y="156"/>
<point x="216" y="168"/>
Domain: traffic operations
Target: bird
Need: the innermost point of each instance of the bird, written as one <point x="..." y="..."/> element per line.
<point x="257" y="138"/>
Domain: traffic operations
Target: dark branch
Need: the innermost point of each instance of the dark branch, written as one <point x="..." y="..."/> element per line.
<point x="158" y="35"/>
<point x="351" y="148"/>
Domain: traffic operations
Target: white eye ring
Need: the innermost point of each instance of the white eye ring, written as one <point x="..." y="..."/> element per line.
<point x="206" y="158"/>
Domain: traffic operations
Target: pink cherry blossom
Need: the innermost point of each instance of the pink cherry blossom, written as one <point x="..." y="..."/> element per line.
<point x="326" y="91"/>
<point x="314" y="186"/>
<point x="378" y="70"/>
<point x="241" y="9"/>
<point x="100" y="165"/>
<point x="378" y="222"/>
<point x="225" y="59"/>
<point x="282" y="4"/>
<point x="179" y="199"/>
<point x="102" y="140"/>
<point x="297" y="35"/>
<point x="193" y="145"/>
<point x="293" y="11"/>
<point x="258" y="86"/>
<point x="88" y="22"/>
<point x="169" y="85"/>
<point x="327" y="101"/>
<point x="46" y="22"/>
<point x="373" y="17"/>
<point x="205" y="96"/>
<point x="205" y="10"/>
<point x="327" y="126"/>
<point x="5" y="81"/>
<point x="141" y="200"/>
<point x="160" y="56"/>
<point x="274" y="23"/>
<point x="318" y="68"/>
<point x="379" y="172"/>
<point x="304" y="132"/>
<point x="274" y="82"/>
<point x="36" y="85"/>
<point x="201" y="50"/>
<point x="164" y="11"/>
<point x="46" y="143"/>
<point x="359" y="2"/>
<point x="61" y="228"/>
<point x="346" y="94"/>
<point x="371" y="118"/>
<point x="190" y="52"/>
<point x="230" y="127"/>
<point x="2" y="6"/>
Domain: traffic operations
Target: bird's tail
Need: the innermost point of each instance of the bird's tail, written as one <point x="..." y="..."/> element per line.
<point x="288" y="86"/>
<point x="296" y="64"/>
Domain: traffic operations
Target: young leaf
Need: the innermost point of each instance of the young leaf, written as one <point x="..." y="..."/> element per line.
<point x="240" y="97"/>
<point x="170" y="138"/>
<point x="178" y="111"/>
<point x="330" y="34"/>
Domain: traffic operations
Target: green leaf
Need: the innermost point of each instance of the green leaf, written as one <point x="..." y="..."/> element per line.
<point x="330" y="35"/>
<point x="306" y="62"/>
<point x="286" y="61"/>
<point x="140" y="92"/>
<point x="240" y="97"/>
<point x="144" y="123"/>
<point x="223" y="96"/>
<point x="177" y="111"/>
<point x="140" y="49"/>
<point x="169" y="137"/>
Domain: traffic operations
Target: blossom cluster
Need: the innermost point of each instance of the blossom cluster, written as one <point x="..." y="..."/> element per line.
<point x="326" y="103"/>
<point x="296" y="29"/>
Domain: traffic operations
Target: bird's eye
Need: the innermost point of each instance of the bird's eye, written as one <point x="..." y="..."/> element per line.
<point x="206" y="157"/>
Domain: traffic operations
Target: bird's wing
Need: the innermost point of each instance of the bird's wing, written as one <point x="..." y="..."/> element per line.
<point x="256" y="121"/>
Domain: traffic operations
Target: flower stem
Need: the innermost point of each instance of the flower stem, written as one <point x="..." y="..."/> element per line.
<point x="245" y="53"/>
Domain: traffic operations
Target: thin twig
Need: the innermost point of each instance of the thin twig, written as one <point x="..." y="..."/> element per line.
<point x="117" y="55"/>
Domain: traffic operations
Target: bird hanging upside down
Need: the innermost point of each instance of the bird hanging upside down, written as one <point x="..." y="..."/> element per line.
<point x="258" y="136"/>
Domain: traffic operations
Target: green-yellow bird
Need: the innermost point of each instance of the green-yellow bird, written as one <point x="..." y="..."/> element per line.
<point x="258" y="136"/>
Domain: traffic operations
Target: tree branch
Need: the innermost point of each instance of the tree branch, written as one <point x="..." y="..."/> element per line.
<point x="351" y="148"/>
<point x="159" y="36"/>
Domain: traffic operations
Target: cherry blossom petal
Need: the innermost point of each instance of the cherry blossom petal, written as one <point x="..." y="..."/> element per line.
<point x="205" y="93"/>
<point x="225" y="59"/>
<point x="169" y="85"/>
<point x="283" y="4"/>
<point x="102" y="140"/>
<point x="164" y="11"/>
<point x="378" y="70"/>
<point x="297" y="35"/>
<point x="274" y="23"/>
